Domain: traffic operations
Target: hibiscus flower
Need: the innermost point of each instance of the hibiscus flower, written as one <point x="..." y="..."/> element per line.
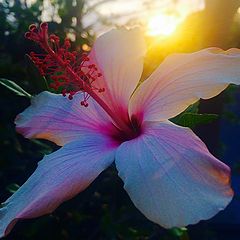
<point x="168" y="172"/>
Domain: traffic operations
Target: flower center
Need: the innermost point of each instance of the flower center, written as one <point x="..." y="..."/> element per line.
<point x="121" y="136"/>
<point x="71" y="73"/>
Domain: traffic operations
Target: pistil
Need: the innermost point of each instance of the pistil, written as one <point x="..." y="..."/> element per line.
<point x="67" y="73"/>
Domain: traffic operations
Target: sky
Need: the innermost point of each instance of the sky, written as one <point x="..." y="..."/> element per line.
<point x="158" y="16"/>
<point x="143" y="7"/>
<point x="130" y="12"/>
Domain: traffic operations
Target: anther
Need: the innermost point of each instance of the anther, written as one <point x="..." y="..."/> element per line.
<point x="84" y="103"/>
<point x="44" y="25"/>
<point x="100" y="90"/>
<point x="27" y="35"/>
<point x="32" y="27"/>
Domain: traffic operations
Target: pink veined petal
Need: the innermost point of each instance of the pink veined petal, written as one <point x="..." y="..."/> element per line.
<point x="119" y="56"/>
<point x="56" y="118"/>
<point x="182" y="79"/>
<point x="58" y="177"/>
<point x="171" y="177"/>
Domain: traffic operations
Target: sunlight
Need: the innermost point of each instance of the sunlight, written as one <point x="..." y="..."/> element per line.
<point x="162" y="24"/>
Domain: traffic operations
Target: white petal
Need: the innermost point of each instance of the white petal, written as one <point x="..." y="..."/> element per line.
<point x="58" y="177"/>
<point x="182" y="79"/>
<point x="171" y="177"/>
<point x="119" y="56"/>
<point x="56" y="118"/>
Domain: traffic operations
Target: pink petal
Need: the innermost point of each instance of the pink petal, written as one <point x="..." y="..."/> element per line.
<point x="119" y="56"/>
<point x="58" y="177"/>
<point x="171" y="177"/>
<point x="56" y="118"/>
<point x="182" y="79"/>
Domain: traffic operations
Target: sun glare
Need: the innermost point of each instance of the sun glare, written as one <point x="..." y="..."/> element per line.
<point x="162" y="25"/>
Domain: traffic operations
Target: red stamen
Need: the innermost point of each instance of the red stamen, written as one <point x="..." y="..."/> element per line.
<point x="57" y="59"/>
<point x="68" y="72"/>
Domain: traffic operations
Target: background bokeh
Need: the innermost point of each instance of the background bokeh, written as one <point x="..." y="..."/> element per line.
<point x="104" y="210"/>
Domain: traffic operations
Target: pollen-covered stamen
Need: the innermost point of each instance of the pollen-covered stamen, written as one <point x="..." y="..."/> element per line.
<point x="69" y="72"/>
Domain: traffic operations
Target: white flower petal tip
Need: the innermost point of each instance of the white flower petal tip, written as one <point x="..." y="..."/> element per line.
<point x="58" y="177"/>
<point x="7" y="225"/>
<point x="126" y="36"/>
<point x="230" y="51"/>
<point x="182" y="79"/>
<point x="172" y="178"/>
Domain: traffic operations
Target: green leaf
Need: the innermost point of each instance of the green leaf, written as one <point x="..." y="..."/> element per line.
<point x="12" y="86"/>
<point x="191" y="120"/>
<point x="12" y="188"/>
<point x="193" y="108"/>
<point x="43" y="147"/>
<point x="178" y="232"/>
